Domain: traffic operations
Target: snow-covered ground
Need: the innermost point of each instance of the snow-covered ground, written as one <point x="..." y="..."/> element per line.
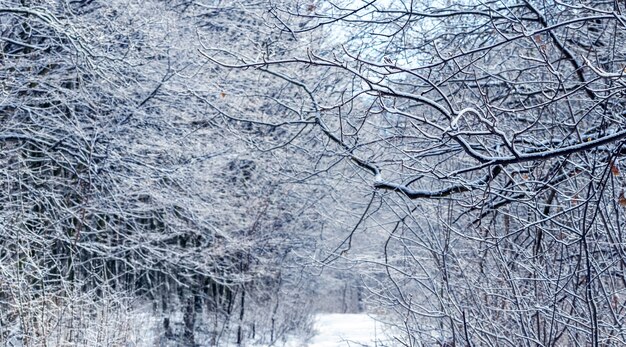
<point x="331" y="330"/>
<point x="345" y="330"/>
<point x="348" y="330"/>
<point x="342" y="330"/>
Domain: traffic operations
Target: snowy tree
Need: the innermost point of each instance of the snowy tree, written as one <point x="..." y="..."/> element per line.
<point x="123" y="185"/>
<point x="489" y="137"/>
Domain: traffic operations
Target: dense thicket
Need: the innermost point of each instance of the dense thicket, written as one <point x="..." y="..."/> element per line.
<point x="123" y="186"/>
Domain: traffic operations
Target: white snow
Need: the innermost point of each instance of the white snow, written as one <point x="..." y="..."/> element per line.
<point x="344" y="330"/>
<point x="347" y="330"/>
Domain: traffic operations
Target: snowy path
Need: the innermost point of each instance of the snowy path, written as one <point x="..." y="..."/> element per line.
<point x="347" y="330"/>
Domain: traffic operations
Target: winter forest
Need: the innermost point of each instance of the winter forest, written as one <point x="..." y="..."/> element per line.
<point x="218" y="172"/>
